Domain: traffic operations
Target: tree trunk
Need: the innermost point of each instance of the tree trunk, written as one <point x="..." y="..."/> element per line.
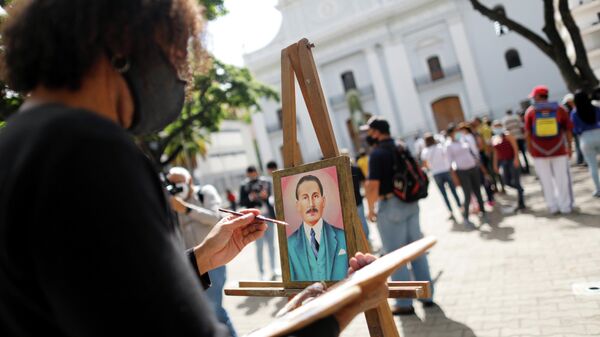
<point x="570" y="76"/>
<point x="575" y="76"/>
<point x="567" y="71"/>
<point x="590" y="81"/>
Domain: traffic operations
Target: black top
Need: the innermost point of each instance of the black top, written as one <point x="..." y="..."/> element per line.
<point x="357" y="178"/>
<point x="87" y="245"/>
<point x="254" y="186"/>
<point x="381" y="163"/>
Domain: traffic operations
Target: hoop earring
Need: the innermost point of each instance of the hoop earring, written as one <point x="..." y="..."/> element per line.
<point x="121" y="64"/>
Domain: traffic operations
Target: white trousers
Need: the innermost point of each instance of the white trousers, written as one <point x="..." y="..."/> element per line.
<point x="556" y="182"/>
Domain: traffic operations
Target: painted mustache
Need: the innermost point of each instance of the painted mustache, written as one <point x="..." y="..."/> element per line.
<point x="313" y="209"/>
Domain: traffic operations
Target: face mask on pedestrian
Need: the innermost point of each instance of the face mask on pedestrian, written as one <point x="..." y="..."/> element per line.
<point x="372" y="141"/>
<point x="157" y="91"/>
<point x="458" y="136"/>
<point x="498" y="131"/>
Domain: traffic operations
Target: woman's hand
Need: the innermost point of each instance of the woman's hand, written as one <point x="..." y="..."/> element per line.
<point x="227" y="239"/>
<point x="360" y="260"/>
<point x="308" y="294"/>
<point x="371" y="296"/>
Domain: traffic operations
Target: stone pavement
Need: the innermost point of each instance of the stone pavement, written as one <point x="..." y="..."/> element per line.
<point x="512" y="277"/>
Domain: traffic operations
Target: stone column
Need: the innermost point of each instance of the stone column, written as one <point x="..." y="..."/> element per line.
<point x="262" y="139"/>
<point x="382" y="91"/>
<point x="468" y="69"/>
<point x="407" y="99"/>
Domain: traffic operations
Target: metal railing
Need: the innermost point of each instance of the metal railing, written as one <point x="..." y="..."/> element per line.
<point x="449" y="73"/>
<point x="364" y="92"/>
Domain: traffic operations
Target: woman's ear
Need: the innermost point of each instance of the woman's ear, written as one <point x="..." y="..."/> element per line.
<point x="125" y="106"/>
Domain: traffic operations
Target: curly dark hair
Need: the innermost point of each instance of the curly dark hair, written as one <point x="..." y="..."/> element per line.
<point x="55" y="42"/>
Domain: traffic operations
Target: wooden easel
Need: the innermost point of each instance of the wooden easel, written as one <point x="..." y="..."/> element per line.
<point x="297" y="62"/>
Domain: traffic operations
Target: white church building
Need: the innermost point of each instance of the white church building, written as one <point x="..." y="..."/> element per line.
<point x="419" y="63"/>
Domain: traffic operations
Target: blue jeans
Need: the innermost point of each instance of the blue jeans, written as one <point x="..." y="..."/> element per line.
<point x="512" y="177"/>
<point x="363" y="219"/>
<point x="398" y="224"/>
<point x="215" y="295"/>
<point x="590" y="146"/>
<point x="444" y="178"/>
<point x="269" y="238"/>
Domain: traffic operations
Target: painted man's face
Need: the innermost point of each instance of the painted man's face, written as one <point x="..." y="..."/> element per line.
<point x="310" y="203"/>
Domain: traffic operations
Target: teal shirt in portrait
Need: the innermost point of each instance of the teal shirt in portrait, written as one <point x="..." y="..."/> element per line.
<point x="332" y="261"/>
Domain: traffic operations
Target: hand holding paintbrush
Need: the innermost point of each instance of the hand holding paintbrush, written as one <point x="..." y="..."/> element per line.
<point x="258" y="217"/>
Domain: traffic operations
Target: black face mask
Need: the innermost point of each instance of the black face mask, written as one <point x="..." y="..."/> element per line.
<point x="372" y="141"/>
<point x="158" y="92"/>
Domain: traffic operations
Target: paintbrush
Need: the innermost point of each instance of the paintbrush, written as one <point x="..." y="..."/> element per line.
<point x="258" y="217"/>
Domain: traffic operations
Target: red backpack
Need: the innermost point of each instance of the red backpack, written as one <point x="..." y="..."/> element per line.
<point x="410" y="181"/>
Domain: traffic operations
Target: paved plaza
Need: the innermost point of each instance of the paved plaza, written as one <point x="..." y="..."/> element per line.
<point x="513" y="277"/>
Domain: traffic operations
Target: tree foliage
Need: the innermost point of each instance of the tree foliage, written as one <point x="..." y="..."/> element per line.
<point x="213" y="8"/>
<point x="577" y="74"/>
<point x="9" y="104"/>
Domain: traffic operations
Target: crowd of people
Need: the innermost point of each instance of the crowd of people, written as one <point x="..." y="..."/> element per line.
<point x="470" y="162"/>
<point x="492" y="154"/>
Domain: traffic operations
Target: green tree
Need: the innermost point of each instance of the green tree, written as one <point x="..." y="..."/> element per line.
<point x="578" y="74"/>
<point x="213" y="8"/>
<point x="9" y="104"/>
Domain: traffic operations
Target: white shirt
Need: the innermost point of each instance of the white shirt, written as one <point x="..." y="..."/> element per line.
<point x="419" y="146"/>
<point x="470" y="139"/>
<point x="318" y="227"/>
<point x="460" y="154"/>
<point x="437" y="158"/>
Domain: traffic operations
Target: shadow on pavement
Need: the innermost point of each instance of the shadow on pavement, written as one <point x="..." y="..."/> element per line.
<point x="580" y="218"/>
<point x="435" y="323"/>
<point x="493" y="231"/>
<point x="253" y="304"/>
<point x="497" y="233"/>
<point x="280" y="303"/>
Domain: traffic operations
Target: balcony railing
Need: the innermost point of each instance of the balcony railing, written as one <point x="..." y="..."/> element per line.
<point x="365" y="92"/>
<point x="450" y="73"/>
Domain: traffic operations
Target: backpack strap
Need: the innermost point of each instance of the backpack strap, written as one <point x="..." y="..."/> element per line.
<point x="548" y="153"/>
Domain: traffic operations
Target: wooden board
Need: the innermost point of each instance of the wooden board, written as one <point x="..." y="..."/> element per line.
<point x="351" y="287"/>
<point x="394" y="291"/>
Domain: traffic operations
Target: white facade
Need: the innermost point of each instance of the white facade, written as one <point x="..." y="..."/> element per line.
<point x="386" y="44"/>
<point x="229" y="153"/>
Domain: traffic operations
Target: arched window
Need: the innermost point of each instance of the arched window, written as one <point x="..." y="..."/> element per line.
<point x="435" y="68"/>
<point x="513" y="59"/>
<point x="498" y="27"/>
<point x="348" y="81"/>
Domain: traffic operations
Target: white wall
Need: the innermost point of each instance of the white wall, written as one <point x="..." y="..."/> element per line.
<point x="386" y="43"/>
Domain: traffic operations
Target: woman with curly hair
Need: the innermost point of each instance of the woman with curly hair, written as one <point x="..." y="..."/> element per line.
<point x="88" y="245"/>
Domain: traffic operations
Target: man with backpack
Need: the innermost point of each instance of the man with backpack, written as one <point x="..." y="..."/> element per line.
<point x="548" y="134"/>
<point x="395" y="184"/>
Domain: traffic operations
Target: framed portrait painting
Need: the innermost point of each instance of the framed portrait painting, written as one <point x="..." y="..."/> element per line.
<point x="317" y="201"/>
